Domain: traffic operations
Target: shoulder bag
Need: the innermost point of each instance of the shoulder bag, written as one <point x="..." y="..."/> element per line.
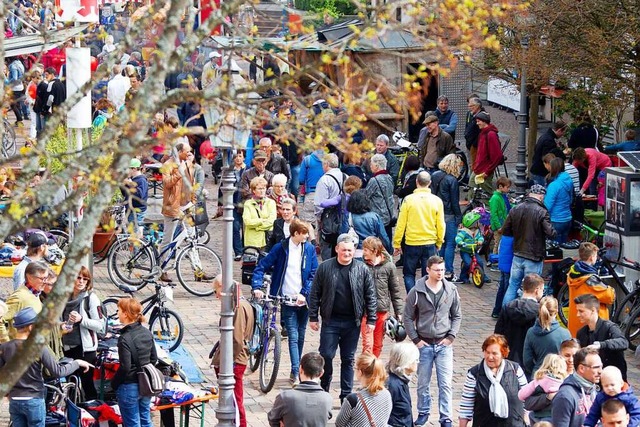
<point x="150" y="379"/>
<point x="366" y="409"/>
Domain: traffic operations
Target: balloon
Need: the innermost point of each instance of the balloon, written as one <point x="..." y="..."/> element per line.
<point x="94" y="64"/>
<point x="206" y="150"/>
<point x="32" y="91"/>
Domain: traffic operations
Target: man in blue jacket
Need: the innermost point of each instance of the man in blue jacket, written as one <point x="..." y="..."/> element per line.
<point x="293" y="263"/>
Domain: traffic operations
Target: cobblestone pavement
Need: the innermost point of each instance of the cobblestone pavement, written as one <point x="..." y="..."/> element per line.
<point x="201" y="316"/>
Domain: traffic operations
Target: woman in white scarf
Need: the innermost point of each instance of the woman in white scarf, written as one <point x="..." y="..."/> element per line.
<point x="490" y="393"/>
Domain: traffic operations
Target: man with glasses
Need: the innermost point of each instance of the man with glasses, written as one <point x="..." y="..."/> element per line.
<point x="259" y="169"/>
<point x="36" y="251"/>
<point x="27" y="295"/>
<point x="576" y="394"/>
<point x="432" y="318"/>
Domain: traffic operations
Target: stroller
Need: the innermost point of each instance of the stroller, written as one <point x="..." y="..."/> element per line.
<point x="251" y="255"/>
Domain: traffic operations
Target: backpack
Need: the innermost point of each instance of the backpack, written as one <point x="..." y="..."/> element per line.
<point x="254" y="342"/>
<point x="101" y="316"/>
<point x="332" y="217"/>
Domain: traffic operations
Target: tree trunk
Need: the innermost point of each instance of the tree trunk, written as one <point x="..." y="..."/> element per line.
<point x="532" y="137"/>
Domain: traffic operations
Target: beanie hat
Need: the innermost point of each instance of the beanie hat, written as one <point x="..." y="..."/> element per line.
<point x="483" y="116"/>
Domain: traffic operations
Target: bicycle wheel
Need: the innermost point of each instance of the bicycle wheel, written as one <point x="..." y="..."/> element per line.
<point x="477" y="277"/>
<point x="167" y="328"/>
<point x="111" y="307"/>
<point x="128" y="261"/>
<point x="9" y="140"/>
<point x="203" y="237"/>
<point x="632" y="329"/>
<point x="254" y="360"/>
<point x="61" y="238"/>
<point x="464" y="169"/>
<point x="563" y="304"/>
<point x="197" y="266"/>
<point x="270" y="360"/>
<point x="627" y="305"/>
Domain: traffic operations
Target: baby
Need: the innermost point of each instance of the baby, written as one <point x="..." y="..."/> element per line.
<point x="612" y="386"/>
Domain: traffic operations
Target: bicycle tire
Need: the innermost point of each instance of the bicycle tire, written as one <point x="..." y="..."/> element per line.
<point x="167" y="328"/>
<point x="268" y="360"/>
<point x="563" y="304"/>
<point x="190" y="268"/>
<point x="254" y="360"/>
<point x="9" y="140"/>
<point x="464" y="169"/>
<point x="61" y="238"/>
<point x="632" y="329"/>
<point x="128" y="261"/>
<point x="111" y="308"/>
<point x="628" y="304"/>
<point x="477" y="277"/>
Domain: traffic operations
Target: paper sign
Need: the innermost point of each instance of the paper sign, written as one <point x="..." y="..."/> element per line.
<point x="77" y="10"/>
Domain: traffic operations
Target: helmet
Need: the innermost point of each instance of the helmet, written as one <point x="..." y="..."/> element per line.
<point x="470" y="218"/>
<point x="395" y="330"/>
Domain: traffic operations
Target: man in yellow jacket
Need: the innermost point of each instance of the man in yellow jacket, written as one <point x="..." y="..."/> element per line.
<point x="420" y="229"/>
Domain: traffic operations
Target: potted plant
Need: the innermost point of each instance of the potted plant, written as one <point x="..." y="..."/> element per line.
<point x="104" y="233"/>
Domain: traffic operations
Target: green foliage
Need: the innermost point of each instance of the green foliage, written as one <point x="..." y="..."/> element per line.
<point x="335" y="8"/>
<point x="55" y="147"/>
<point x="581" y="100"/>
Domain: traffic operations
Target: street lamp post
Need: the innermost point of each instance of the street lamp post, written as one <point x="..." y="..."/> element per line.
<point x="521" y="165"/>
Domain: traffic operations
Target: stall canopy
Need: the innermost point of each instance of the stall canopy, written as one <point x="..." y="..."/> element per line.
<point x="36" y="43"/>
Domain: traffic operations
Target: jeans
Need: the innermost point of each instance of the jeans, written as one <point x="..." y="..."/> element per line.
<point x="135" y="409"/>
<point x="520" y="268"/>
<point x="372" y="340"/>
<point x="41" y="123"/>
<point x="343" y="333"/>
<point x="539" y="179"/>
<point x="442" y="357"/>
<point x="295" y="321"/>
<point x="237" y="232"/>
<point x="294" y="183"/>
<point x="562" y="230"/>
<point x="139" y="218"/>
<point x="502" y="289"/>
<point x="414" y="256"/>
<point x="27" y="413"/>
<point x="448" y="249"/>
<point x="466" y="263"/>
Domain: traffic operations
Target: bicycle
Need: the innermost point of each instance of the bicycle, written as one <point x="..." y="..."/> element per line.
<point x="165" y="324"/>
<point x="196" y="265"/>
<point x="476" y="271"/>
<point x="8" y="139"/>
<point x="590" y="234"/>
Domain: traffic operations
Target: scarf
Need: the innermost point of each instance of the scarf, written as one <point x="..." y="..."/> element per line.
<point x="498" y="401"/>
<point x="587" y="386"/>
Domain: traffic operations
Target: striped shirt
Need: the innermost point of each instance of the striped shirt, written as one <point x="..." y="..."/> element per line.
<point x="352" y="413"/>
<point x="575" y="176"/>
<point x="469" y="392"/>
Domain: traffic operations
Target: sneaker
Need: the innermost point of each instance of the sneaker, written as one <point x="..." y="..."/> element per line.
<point x="494" y="315"/>
<point x="284" y="333"/>
<point x="19" y="124"/>
<point x="201" y="276"/>
<point x="487" y="280"/>
<point x="455" y="279"/>
<point x="237" y="258"/>
<point x="495" y="269"/>
<point x="422" y="420"/>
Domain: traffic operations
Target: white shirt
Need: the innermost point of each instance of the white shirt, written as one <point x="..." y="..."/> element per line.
<point x="285" y="229"/>
<point x="117" y="89"/>
<point x="292" y="283"/>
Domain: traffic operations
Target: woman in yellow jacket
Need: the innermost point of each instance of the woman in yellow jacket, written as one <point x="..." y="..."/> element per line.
<point x="259" y="214"/>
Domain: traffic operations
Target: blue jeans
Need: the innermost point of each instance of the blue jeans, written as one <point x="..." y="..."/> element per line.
<point x="562" y="230"/>
<point x="520" y="268"/>
<point x="295" y="321"/>
<point x="466" y="263"/>
<point x="442" y="357"/>
<point x="139" y="216"/>
<point x="502" y="289"/>
<point x="294" y="183"/>
<point x="343" y="333"/>
<point x="237" y="233"/>
<point x="539" y="179"/>
<point x="27" y="413"/>
<point x="448" y="249"/>
<point x="414" y="256"/>
<point x="135" y="409"/>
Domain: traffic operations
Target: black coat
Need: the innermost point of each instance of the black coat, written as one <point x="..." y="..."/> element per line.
<point x="323" y="291"/>
<point x="531" y="219"/>
<point x="585" y="135"/>
<point x="401" y="415"/>
<point x="612" y="343"/>
<point x="546" y="144"/>
<point x="135" y="349"/>
<point x="471" y="130"/>
<point x="515" y="320"/>
<point x="447" y="188"/>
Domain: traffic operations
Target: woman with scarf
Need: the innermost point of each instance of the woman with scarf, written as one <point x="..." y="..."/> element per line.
<point x="278" y="191"/>
<point x="84" y="321"/>
<point x="490" y="393"/>
<point x="258" y="215"/>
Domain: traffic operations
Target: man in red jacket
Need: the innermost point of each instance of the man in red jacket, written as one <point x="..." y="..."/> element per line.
<point x="489" y="154"/>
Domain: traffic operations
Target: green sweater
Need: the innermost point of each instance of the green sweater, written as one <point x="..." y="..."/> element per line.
<point x="498" y="209"/>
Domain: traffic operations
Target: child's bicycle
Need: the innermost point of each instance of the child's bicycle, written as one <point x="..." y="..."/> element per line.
<point x="476" y="272"/>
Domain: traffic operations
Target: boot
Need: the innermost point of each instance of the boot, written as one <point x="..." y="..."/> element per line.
<point x="165" y="277"/>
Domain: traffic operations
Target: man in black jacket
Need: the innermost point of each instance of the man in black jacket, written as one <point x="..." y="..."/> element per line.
<point x="342" y="293"/>
<point x="546" y="144"/>
<point x="471" y="129"/>
<point x="530" y="225"/>
<point x="602" y="335"/>
<point x="50" y="93"/>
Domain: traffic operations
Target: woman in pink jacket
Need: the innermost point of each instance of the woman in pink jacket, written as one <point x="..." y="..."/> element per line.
<point x="592" y="160"/>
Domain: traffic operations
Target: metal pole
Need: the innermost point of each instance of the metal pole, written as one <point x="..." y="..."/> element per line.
<point x="521" y="165"/>
<point x="226" y="412"/>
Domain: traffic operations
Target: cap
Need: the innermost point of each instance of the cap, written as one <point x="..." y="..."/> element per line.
<point x="483" y="116"/>
<point x="430" y="117"/>
<point x="25" y="317"/>
<point x="214" y="54"/>
<point x="135" y="163"/>
<point x="538" y="189"/>
<point x="259" y="154"/>
<point x="36" y="239"/>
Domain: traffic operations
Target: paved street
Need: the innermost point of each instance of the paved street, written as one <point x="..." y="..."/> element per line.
<point x="201" y="316"/>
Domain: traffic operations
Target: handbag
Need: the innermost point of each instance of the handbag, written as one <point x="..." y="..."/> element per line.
<point x="393" y="218"/>
<point x="366" y="409"/>
<point x="200" y="216"/>
<point x="150" y="379"/>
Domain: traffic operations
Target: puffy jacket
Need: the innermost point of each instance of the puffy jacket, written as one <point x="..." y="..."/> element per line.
<point x="323" y="291"/>
<point x="379" y="190"/>
<point x="505" y="254"/>
<point x="583" y="279"/>
<point x="515" y="320"/>
<point x="489" y="155"/>
<point x="559" y="198"/>
<point x="612" y="343"/>
<point x="421" y="220"/>
<point x="424" y="320"/>
<point x="135" y="349"/>
<point x="539" y="342"/>
<point x="546" y="144"/>
<point x="447" y="188"/>
<point x="533" y="224"/>
<point x="387" y="288"/>
<point x="365" y="225"/>
<point x="572" y="403"/>
<point x="499" y="208"/>
<point x="626" y="396"/>
<point x="276" y="262"/>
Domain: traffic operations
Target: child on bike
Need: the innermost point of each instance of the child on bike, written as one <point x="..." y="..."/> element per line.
<point x="499" y="207"/>
<point x="469" y="239"/>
